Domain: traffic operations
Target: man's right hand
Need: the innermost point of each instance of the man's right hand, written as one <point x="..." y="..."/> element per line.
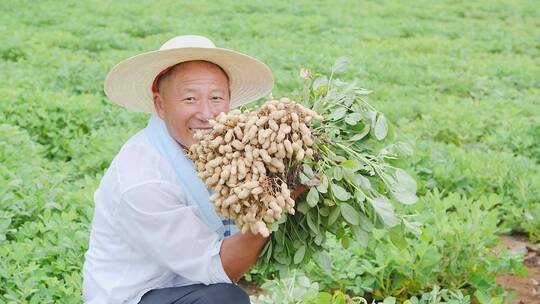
<point x="239" y="252"/>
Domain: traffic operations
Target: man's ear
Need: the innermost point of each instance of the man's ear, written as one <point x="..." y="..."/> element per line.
<point x="158" y="104"/>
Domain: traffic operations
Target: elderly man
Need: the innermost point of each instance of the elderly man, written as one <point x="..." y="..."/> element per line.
<point x="155" y="236"/>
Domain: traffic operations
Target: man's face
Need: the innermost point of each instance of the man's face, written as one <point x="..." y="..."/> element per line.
<point x="195" y="92"/>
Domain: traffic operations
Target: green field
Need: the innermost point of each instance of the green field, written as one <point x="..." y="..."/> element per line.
<point x="459" y="80"/>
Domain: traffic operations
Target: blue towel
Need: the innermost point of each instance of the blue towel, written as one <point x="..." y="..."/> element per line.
<point x="195" y="189"/>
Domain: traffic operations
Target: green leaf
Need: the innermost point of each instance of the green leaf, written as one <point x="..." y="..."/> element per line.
<point x="349" y="163"/>
<point x="340" y="232"/>
<point x="267" y="251"/>
<point x="280" y="237"/>
<point x="360" y="235"/>
<point x="340" y="65"/>
<point x="371" y="116"/>
<point x="365" y="223"/>
<point x="362" y="181"/>
<point x="381" y="128"/>
<point x="274" y="226"/>
<point x="340" y="193"/>
<point x="360" y="196"/>
<point x="379" y="234"/>
<point x="323" y="186"/>
<point x="282" y="259"/>
<point x="319" y="82"/>
<point x="323" y="259"/>
<point x="323" y="297"/>
<point x="348" y="175"/>
<point x="339" y="298"/>
<point x="385" y="210"/>
<point x="302" y="207"/>
<point x="349" y="214"/>
<point x="389" y="300"/>
<point x="482" y="297"/>
<point x="405" y="197"/>
<point x="345" y="242"/>
<point x="329" y="202"/>
<point x="405" y="180"/>
<point x="404" y="189"/>
<point x="334" y="214"/>
<point x="397" y="237"/>
<point x="324" y="211"/>
<point x="299" y="255"/>
<point x="312" y="197"/>
<point x="404" y="148"/>
<point x="358" y="127"/>
<point x="361" y="134"/>
<point x="282" y="220"/>
<point x="319" y="239"/>
<point x="311" y="223"/>
<point x="338" y="113"/>
<point x="415" y="227"/>
<point x="353" y="118"/>
<point x="338" y="173"/>
<point x="519" y="268"/>
<point x="304" y="179"/>
<point x="308" y="171"/>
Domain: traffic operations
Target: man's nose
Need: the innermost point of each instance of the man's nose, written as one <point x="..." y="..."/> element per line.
<point x="206" y="110"/>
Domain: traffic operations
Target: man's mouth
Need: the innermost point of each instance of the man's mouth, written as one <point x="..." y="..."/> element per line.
<point x="202" y="130"/>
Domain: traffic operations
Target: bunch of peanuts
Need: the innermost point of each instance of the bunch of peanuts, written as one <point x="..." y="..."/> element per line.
<point x="246" y="157"/>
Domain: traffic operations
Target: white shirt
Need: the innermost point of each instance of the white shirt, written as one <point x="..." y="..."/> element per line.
<point x="144" y="235"/>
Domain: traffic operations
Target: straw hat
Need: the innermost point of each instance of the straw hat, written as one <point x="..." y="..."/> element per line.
<point x="130" y="82"/>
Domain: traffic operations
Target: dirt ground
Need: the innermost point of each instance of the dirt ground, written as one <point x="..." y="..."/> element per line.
<point x="527" y="289"/>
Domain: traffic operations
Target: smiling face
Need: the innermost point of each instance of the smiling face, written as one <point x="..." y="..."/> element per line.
<point x="193" y="93"/>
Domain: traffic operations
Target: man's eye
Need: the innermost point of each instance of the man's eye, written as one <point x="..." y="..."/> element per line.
<point x="189" y="99"/>
<point x="217" y="98"/>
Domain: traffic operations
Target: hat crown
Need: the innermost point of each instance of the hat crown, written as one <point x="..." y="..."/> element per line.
<point x="188" y="41"/>
<point x="130" y="82"/>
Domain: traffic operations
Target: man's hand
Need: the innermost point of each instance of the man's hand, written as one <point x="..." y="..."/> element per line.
<point x="240" y="251"/>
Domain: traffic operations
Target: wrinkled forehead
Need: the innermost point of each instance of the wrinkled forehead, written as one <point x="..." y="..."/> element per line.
<point x="198" y="66"/>
<point x="187" y="69"/>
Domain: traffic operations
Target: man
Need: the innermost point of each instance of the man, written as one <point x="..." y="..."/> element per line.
<point x="155" y="236"/>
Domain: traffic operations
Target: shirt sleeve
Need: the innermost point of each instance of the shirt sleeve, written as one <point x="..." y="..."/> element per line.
<point x="153" y="218"/>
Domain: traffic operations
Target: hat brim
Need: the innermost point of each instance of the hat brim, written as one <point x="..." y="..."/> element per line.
<point x="129" y="83"/>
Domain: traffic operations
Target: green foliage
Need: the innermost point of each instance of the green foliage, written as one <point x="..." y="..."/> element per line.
<point x="70" y="128"/>
<point x="454" y="250"/>
<point x="438" y="295"/>
<point x="352" y="179"/>
<point x="294" y="289"/>
<point x="477" y="173"/>
<point x="298" y="289"/>
<point x="43" y="224"/>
